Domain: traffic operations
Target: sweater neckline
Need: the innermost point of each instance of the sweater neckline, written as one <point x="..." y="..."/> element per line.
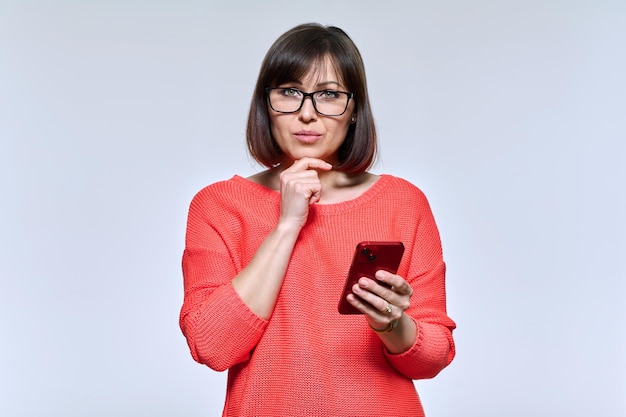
<point x="368" y="195"/>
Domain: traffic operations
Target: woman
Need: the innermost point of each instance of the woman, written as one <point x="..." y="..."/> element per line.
<point x="266" y="257"/>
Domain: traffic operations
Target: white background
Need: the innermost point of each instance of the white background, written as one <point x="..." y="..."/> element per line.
<point x="510" y="115"/>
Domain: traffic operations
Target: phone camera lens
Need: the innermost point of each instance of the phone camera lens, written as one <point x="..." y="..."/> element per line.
<point x="365" y="251"/>
<point x="371" y="257"/>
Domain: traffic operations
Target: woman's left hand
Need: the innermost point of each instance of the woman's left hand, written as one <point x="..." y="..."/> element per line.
<point x="384" y="306"/>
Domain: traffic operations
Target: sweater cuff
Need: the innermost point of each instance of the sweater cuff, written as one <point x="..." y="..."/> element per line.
<point x="233" y="308"/>
<point x="226" y="330"/>
<point x="430" y="353"/>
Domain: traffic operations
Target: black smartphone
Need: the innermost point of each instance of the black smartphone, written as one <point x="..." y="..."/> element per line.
<point x="368" y="258"/>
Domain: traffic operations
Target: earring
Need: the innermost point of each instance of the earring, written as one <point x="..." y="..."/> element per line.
<point x="353" y="119"/>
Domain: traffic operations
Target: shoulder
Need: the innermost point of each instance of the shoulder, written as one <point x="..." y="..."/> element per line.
<point x="216" y="190"/>
<point x="221" y="193"/>
<point x="237" y="196"/>
<point x="404" y="198"/>
<point x="402" y="188"/>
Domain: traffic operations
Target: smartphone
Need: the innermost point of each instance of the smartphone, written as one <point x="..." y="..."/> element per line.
<point x="368" y="258"/>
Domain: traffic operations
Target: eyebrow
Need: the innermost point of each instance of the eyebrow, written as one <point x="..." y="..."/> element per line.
<point x="318" y="85"/>
<point x="326" y="83"/>
<point x="323" y="85"/>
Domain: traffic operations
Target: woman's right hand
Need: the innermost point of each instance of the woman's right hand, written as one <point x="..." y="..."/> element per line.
<point x="300" y="187"/>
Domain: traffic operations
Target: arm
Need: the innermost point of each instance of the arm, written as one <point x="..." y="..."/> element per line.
<point x="421" y="343"/>
<point x="258" y="284"/>
<point x="225" y="311"/>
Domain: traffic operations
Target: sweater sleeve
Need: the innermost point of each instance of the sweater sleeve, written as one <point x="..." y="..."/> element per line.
<point x="220" y="329"/>
<point x="434" y="347"/>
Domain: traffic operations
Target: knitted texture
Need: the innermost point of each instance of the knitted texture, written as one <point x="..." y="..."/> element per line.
<point x="307" y="359"/>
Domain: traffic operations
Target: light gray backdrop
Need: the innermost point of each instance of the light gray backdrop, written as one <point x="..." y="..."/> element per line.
<point x="510" y="115"/>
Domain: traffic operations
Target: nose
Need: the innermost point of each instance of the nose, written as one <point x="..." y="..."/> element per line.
<point x="307" y="112"/>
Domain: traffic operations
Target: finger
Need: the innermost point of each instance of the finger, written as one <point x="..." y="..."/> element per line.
<point x="300" y="181"/>
<point x="396" y="282"/>
<point x="396" y="297"/>
<point x="374" y="314"/>
<point x="378" y="302"/>
<point x="315" y="197"/>
<point x="309" y="163"/>
<point x="303" y="183"/>
<point x="359" y="303"/>
<point x="312" y="192"/>
<point x="380" y="289"/>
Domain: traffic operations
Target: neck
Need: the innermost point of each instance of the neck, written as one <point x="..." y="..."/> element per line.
<point x="337" y="186"/>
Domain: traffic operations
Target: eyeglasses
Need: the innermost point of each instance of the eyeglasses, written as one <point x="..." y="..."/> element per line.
<point x="325" y="102"/>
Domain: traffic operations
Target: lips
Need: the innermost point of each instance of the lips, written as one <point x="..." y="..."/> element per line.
<point x="307" y="136"/>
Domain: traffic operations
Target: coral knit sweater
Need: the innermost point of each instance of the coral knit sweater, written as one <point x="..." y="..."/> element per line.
<point x="307" y="359"/>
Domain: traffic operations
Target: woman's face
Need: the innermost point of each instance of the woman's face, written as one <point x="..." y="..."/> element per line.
<point x="307" y="133"/>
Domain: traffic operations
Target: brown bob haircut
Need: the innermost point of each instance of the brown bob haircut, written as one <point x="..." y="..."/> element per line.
<point x="291" y="58"/>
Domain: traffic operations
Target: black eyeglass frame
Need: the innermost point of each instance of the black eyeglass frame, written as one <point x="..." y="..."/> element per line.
<point x="304" y="96"/>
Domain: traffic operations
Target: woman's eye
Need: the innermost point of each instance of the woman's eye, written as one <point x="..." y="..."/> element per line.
<point x="328" y="94"/>
<point x="291" y="92"/>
